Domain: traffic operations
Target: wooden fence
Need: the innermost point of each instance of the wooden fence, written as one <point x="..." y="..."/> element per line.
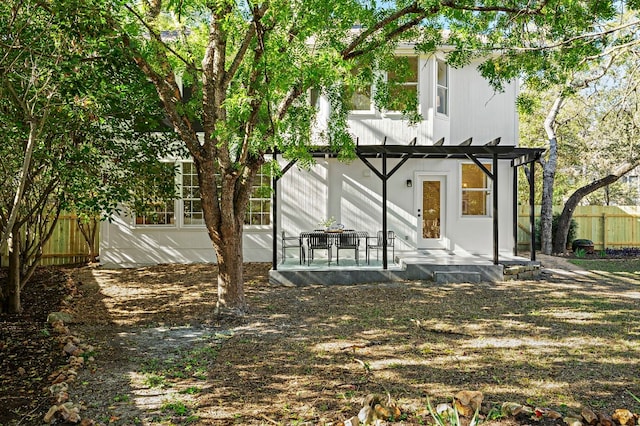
<point x="66" y="245"/>
<point x="606" y="226"/>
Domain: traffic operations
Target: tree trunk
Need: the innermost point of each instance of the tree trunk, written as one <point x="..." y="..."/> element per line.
<point x="564" y="220"/>
<point x="548" y="177"/>
<point x="23" y="177"/>
<point x="89" y="231"/>
<point x="13" y="304"/>
<point x="230" y="276"/>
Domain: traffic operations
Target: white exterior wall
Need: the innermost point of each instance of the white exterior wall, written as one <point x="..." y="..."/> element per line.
<point x="125" y="245"/>
<point x="351" y="193"/>
<point x="356" y="202"/>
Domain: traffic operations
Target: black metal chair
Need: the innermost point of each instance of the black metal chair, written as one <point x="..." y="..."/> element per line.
<point x="378" y="245"/>
<point x="292" y="242"/>
<point x="318" y="241"/>
<point x="348" y="241"/>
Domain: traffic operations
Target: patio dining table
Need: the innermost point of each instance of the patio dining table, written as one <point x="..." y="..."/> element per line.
<point x="343" y="239"/>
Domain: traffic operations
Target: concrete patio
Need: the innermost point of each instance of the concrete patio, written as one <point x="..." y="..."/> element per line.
<point x="438" y="266"/>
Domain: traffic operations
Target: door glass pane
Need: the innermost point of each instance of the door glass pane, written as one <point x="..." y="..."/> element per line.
<point x="431" y="209"/>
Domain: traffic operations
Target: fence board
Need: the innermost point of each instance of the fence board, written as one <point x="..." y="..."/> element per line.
<point x="66" y="245"/>
<point x="606" y="226"/>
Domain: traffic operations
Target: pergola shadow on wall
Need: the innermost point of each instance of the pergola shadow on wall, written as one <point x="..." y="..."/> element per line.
<point x="517" y="157"/>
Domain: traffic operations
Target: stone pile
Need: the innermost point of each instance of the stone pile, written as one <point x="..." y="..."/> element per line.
<point x="468" y="407"/>
<point x="63" y="409"/>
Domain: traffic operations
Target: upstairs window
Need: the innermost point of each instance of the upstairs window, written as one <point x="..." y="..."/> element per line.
<point x="442" y="88"/>
<point x="359" y="92"/>
<point x="475" y="190"/>
<point x="406" y="87"/>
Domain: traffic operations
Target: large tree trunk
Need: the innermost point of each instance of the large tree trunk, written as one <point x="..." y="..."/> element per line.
<point x="13" y="304"/>
<point x="230" y="276"/>
<point x="564" y="221"/>
<point x="548" y="177"/>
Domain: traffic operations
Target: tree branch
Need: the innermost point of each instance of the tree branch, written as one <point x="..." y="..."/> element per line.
<point x="244" y="46"/>
<point x="157" y="37"/>
<point x="411" y="9"/>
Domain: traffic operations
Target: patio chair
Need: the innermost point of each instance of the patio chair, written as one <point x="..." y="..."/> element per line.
<point x="348" y="241"/>
<point x="318" y="241"/>
<point x="377" y="244"/>
<point x="292" y="242"/>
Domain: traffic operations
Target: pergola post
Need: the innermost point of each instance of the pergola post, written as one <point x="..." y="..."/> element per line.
<point x="385" y="263"/>
<point x="532" y="207"/>
<point x="495" y="210"/>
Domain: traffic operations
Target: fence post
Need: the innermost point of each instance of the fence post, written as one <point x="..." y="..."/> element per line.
<point x="604" y="231"/>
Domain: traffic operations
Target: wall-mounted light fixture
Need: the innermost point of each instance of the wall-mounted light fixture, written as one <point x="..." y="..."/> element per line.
<point x="409" y="183"/>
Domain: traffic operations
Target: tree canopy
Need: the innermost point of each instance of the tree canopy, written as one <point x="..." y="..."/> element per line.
<point x="67" y="106"/>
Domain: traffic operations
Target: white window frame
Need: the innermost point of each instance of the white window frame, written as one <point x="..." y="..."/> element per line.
<point x="191" y="198"/>
<point x="171" y="224"/>
<point x="486" y="189"/>
<point x="415" y="84"/>
<point x="165" y="211"/>
<point x="371" y="109"/>
<point x="444" y="88"/>
<point x="260" y="179"/>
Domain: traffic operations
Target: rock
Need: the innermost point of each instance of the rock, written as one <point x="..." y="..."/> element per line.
<point x="365" y="416"/>
<point x="60" y="378"/>
<point x="589" y="416"/>
<point x="49" y="417"/>
<point x="76" y="361"/>
<point x="22" y="371"/>
<point x="69" y="412"/>
<point x="77" y="352"/>
<point x="382" y="412"/>
<point x="57" y="388"/>
<point x="553" y="415"/>
<point x="468" y="402"/>
<point x="62" y="397"/>
<point x="572" y="421"/>
<point x="59" y="316"/>
<point x="70" y="348"/>
<point x="353" y="421"/>
<point x="60" y="328"/>
<point x="605" y="419"/>
<point x="624" y="417"/>
<point x="511" y="409"/>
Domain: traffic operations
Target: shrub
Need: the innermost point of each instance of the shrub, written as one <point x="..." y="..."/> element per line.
<point x="571" y="235"/>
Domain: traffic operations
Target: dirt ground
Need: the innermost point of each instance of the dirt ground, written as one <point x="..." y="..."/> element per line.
<point x="309" y="355"/>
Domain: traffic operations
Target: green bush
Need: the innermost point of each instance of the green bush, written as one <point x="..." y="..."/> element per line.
<point x="573" y="230"/>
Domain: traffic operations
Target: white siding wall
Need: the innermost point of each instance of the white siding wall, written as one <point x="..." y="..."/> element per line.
<point x="478" y="111"/>
<point x="351" y="192"/>
<point x="125" y="245"/>
<point x="356" y="202"/>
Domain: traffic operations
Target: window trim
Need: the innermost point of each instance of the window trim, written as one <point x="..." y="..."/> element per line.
<point x="415" y="84"/>
<point x="445" y="87"/>
<point x="487" y="190"/>
<point x="134" y="219"/>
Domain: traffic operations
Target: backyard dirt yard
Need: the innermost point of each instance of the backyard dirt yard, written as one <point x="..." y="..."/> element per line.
<point x="310" y="355"/>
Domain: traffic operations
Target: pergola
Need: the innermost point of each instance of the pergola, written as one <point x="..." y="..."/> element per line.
<point x="465" y="150"/>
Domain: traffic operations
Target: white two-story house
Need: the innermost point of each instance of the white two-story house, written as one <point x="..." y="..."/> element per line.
<point x="437" y="184"/>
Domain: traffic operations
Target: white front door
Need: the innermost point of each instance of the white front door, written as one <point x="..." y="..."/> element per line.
<point x="430" y="204"/>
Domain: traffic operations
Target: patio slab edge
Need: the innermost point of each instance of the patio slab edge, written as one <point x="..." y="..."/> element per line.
<point x="409" y="272"/>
